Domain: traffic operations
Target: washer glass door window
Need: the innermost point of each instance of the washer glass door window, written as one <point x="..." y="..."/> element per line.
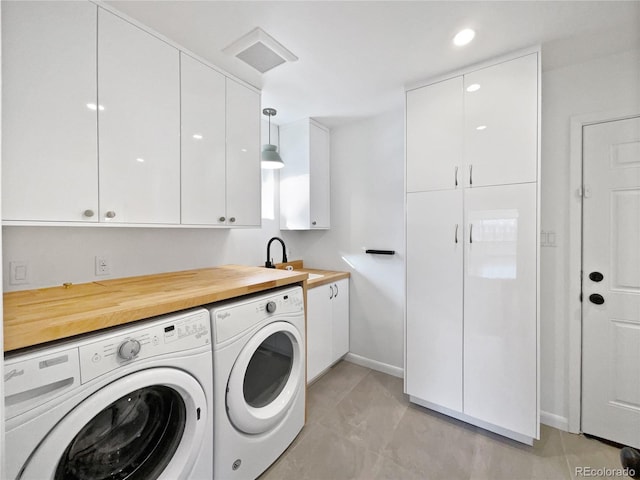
<point x="266" y="378"/>
<point x="134" y="437"/>
<point x="153" y="430"/>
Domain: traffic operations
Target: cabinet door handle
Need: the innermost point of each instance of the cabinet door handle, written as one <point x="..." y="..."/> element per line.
<point x="336" y="285"/>
<point x="314" y="223"/>
<point x="456" y="177"/>
<point x="88" y="213"/>
<point x="470" y="175"/>
<point x="331" y="289"/>
<point x="221" y="219"/>
<point x="232" y="219"/>
<point x="110" y="214"/>
<point x="471" y="233"/>
<point x="456" y="234"/>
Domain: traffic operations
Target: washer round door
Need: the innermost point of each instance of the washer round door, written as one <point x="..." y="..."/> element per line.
<point x="144" y="426"/>
<point x="266" y="378"/>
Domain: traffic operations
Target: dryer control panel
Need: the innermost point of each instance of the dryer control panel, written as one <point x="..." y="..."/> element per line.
<point x="159" y="336"/>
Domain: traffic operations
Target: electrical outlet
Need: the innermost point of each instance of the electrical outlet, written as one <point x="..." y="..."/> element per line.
<point x="103" y="265"/>
<point x="19" y="273"/>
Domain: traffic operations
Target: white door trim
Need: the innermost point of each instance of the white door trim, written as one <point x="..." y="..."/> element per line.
<point x="574" y="306"/>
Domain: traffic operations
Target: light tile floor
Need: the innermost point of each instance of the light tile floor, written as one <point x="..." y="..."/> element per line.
<point x="360" y="425"/>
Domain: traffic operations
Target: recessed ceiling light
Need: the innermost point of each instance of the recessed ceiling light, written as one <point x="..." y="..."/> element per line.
<point x="463" y="37"/>
<point x="473" y="87"/>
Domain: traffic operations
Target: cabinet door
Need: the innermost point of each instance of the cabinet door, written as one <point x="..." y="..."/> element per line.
<point x="319" y="335"/>
<point x="501" y="123"/>
<point x="139" y="139"/>
<point x="295" y="179"/>
<point x="339" y="319"/>
<point x="243" y="155"/>
<point x="203" y="176"/>
<point x="434" y="297"/>
<point x="49" y="127"/>
<point x="500" y="330"/>
<point x="319" y="168"/>
<point x="434" y="136"/>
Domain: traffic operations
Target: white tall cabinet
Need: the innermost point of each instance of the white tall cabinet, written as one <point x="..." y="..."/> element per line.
<point x="472" y="224"/>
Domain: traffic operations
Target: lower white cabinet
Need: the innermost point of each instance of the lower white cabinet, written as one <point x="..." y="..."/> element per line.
<point x="471" y="326"/>
<point x="327" y="326"/>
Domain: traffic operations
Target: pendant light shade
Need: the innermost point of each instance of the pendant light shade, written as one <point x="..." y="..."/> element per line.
<point x="270" y="157"/>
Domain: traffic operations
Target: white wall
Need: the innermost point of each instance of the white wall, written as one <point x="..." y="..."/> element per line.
<point x="599" y="85"/>
<point x="367" y="205"/>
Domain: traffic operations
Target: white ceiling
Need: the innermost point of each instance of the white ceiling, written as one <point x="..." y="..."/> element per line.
<point x="355" y="57"/>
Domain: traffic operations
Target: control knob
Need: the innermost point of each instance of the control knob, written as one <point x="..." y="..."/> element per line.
<point x="129" y="349"/>
<point x="271" y="307"/>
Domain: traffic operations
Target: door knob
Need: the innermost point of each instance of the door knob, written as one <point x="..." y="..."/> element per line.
<point x="596" y="298"/>
<point x="596" y="276"/>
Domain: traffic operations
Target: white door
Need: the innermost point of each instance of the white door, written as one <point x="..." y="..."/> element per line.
<point x="244" y="181"/>
<point x="319" y="336"/>
<point x="139" y="124"/>
<point x="500" y="318"/>
<point x="203" y="177"/>
<point x="340" y="320"/>
<point x="319" y="159"/>
<point x="611" y="281"/>
<point x="434" y="133"/>
<point x="49" y="125"/>
<point x="434" y="297"/>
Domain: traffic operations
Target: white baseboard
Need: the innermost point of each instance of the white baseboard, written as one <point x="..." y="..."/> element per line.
<point x="374" y="365"/>
<point x="556" y="421"/>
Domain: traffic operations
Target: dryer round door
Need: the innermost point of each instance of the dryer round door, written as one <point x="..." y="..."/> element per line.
<point x="266" y="378"/>
<point x="144" y="426"/>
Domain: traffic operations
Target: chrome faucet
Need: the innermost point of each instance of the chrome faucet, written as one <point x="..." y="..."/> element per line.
<point x="269" y="263"/>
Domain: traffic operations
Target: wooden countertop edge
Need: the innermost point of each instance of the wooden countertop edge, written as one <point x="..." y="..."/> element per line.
<point x="18" y="335"/>
<point x="328" y="275"/>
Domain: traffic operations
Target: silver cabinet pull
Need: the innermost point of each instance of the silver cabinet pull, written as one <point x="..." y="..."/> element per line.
<point x="110" y="214"/>
<point x="456" y="235"/>
<point x="331" y="289"/>
<point x="471" y="233"/>
<point x="88" y="213"/>
<point x="336" y="285"/>
<point x="470" y="175"/>
<point x="232" y="219"/>
<point x="314" y="223"/>
<point x="221" y="219"/>
<point x="456" y="176"/>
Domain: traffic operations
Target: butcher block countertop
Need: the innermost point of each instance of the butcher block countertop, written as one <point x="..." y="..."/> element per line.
<point x="328" y="276"/>
<point x="32" y="317"/>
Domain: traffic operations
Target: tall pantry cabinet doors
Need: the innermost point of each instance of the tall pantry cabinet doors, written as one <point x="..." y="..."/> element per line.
<point x="434" y="129"/>
<point x="139" y="115"/>
<point x="501" y="123"/>
<point x="243" y="156"/>
<point x="49" y="108"/>
<point x="435" y="297"/>
<point x="500" y="329"/>
<point x="203" y="176"/>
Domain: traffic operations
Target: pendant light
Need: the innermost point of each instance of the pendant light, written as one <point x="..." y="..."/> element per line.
<point x="270" y="157"/>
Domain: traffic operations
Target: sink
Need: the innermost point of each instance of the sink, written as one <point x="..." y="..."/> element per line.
<point x="313" y="276"/>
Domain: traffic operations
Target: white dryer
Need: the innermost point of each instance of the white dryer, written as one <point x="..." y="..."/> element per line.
<point x="259" y="380"/>
<point x="131" y="402"/>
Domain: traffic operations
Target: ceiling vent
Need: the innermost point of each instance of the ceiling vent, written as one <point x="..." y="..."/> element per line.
<point x="260" y="50"/>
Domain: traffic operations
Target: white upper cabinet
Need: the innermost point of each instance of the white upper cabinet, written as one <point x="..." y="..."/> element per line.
<point x="49" y="124"/>
<point x="243" y="156"/>
<point x="203" y="176"/>
<point x="501" y="123"/>
<point x="434" y="129"/>
<point x="305" y="178"/>
<point x="139" y="127"/>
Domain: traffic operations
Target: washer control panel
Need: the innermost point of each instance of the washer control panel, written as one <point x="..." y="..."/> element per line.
<point x="232" y="319"/>
<point x="158" y="336"/>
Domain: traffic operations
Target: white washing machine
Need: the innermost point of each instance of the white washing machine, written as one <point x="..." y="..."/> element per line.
<point x="259" y="380"/>
<point x="131" y="402"/>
